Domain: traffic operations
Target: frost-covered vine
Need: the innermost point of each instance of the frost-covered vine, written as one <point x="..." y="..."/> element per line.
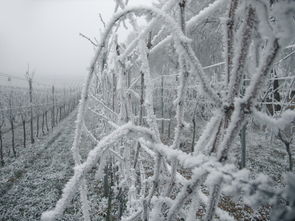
<point x="162" y="181"/>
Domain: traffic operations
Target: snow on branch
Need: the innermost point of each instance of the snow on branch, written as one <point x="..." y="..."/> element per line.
<point x="204" y="13"/>
<point x="239" y="60"/>
<point x="207" y="134"/>
<point x="180" y="39"/>
<point x="92" y="158"/>
<point x="151" y="118"/>
<point x="190" y="24"/>
<point x="242" y="106"/>
<point x="280" y="123"/>
<point x="104" y="105"/>
<point x="267" y="61"/>
<point x="165" y="8"/>
<point x="198" y="69"/>
<point x="111" y="123"/>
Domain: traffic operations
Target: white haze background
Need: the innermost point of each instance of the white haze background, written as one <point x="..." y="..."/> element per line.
<point x="45" y="34"/>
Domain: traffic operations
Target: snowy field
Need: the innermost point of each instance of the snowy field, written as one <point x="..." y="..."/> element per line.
<point x="34" y="181"/>
<point x="186" y="111"/>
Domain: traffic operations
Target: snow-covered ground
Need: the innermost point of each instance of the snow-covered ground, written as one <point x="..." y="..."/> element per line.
<point x="33" y="182"/>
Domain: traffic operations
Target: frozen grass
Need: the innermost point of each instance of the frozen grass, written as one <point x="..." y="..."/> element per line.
<point x="33" y="182"/>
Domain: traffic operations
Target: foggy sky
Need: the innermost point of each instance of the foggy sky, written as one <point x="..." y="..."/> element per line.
<point x="45" y="34"/>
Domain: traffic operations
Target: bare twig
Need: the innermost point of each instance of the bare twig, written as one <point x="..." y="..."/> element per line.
<point x="87" y="38"/>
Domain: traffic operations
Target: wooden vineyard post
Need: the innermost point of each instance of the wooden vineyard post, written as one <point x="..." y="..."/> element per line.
<point x="53" y="109"/>
<point x="30" y="81"/>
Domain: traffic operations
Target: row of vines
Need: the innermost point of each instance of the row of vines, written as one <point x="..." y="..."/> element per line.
<point x="27" y="113"/>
